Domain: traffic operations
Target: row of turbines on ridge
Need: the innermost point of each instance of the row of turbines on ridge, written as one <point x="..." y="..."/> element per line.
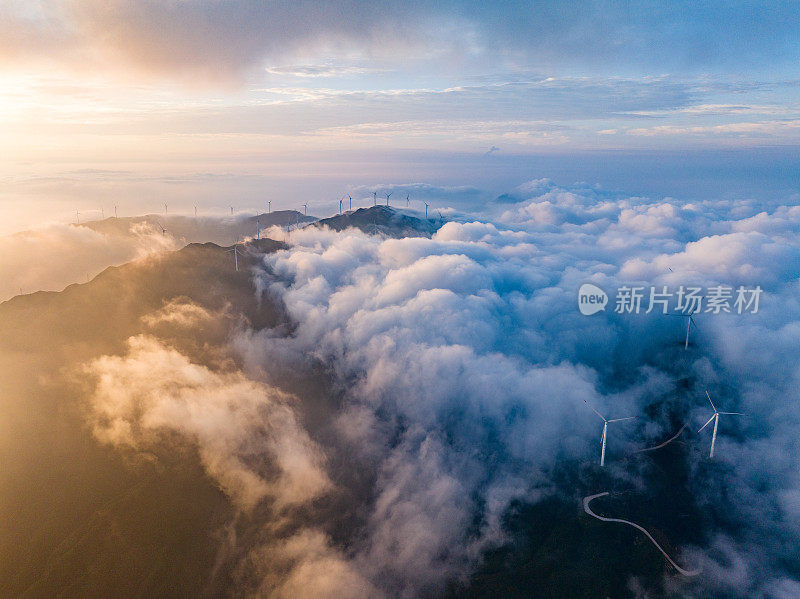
<point x="269" y="207"/>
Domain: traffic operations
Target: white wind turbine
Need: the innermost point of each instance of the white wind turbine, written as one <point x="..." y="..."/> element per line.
<point x="605" y="431"/>
<point x="305" y="209"/>
<point x="407" y="201"/>
<point x="160" y="226"/>
<point x="388" y="195"/>
<point x="351" y="201"/>
<point x="340" y="205"/>
<point x="374" y="198"/>
<point x="426" y="209"/>
<point x="715" y="418"/>
<point x="236" y="254"/>
<point x="690" y="321"/>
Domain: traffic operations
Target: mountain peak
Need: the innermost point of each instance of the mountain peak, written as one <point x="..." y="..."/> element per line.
<point x="384" y="220"/>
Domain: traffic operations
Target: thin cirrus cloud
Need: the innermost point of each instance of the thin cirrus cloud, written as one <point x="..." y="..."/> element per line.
<point x="223" y="40"/>
<point x="220" y="85"/>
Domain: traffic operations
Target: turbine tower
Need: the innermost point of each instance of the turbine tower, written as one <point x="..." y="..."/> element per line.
<point x="426" y="209"/>
<point x="406" y="201"/>
<point x="269" y="207"/>
<point x="236" y="254"/>
<point x="340" y="205"/>
<point x="374" y="198"/>
<point x="715" y="418"/>
<point x="388" y="195"/>
<point x="349" y="197"/>
<point x="689" y="324"/>
<point x="605" y="431"/>
<point x="305" y="209"/>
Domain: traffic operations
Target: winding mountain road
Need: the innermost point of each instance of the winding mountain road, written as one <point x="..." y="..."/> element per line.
<point x="588" y="510"/>
<point x="665" y="443"/>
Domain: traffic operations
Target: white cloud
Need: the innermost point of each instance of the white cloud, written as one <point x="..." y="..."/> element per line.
<point x="442" y="344"/>
<point x="232" y="420"/>
<point x="456" y="370"/>
<point x="50" y="258"/>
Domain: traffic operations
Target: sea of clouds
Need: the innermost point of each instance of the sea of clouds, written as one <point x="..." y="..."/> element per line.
<point x="456" y="372"/>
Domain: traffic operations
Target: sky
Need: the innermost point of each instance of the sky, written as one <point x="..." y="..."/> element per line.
<point x="219" y="103"/>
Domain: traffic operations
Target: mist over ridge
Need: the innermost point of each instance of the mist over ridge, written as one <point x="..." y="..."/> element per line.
<point x="406" y="414"/>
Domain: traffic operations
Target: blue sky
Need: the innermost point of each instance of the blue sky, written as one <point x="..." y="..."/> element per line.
<point x="304" y="97"/>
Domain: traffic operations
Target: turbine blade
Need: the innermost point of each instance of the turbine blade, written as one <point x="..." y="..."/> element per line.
<point x="707" y="423"/>
<point x="621" y="419"/>
<point x="732" y="413"/>
<point x="595" y="411"/>
<point x="709" y="399"/>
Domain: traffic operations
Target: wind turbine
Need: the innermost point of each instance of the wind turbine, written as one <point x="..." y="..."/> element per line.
<point x="163" y="230"/>
<point x="269" y="207"/>
<point x="236" y="254"/>
<point x="715" y="418"/>
<point x="426" y="209"/>
<point x="387" y="198"/>
<point x="305" y="209"/>
<point x="349" y="197"/>
<point x="406" y="201"/>
<point x="231" y="209"/>
<point x="115" y="211"/>
<point x="258" y="228"/>
<point x="77" y="217"/>
<point x="374" y="198"/>
<point x="605" y="431"/>
<point x="340" y="205"/>
<point x="689" y="324"/>
<point x="165" y="209"/>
